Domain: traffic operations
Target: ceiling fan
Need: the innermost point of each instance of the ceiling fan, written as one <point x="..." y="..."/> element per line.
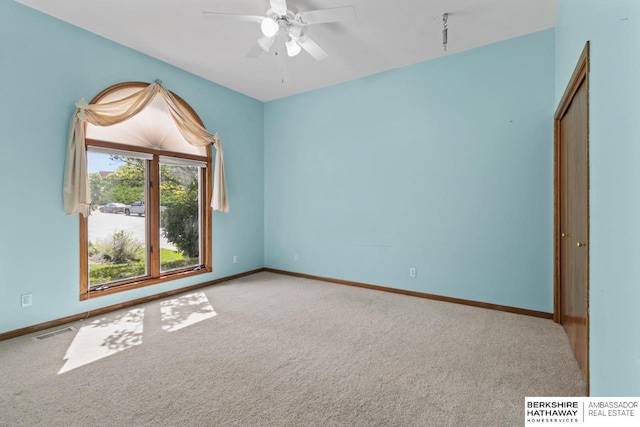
<point x="286" y="28"/>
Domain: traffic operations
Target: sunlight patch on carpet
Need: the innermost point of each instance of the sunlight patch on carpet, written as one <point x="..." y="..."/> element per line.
<point x="186" y="310"/>
<point x="104" y="337"/>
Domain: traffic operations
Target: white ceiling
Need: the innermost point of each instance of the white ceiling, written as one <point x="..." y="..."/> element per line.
<point x="387" y="34"/>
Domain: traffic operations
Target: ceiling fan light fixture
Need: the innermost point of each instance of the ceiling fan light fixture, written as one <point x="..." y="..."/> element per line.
<point x="293" y="48"/>
<point x="269" y="27"/>
<point x="266" y="43"/>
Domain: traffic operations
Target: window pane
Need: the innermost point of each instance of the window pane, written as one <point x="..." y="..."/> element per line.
<point x="180" y="218"/>
<point x="117" y="226"/>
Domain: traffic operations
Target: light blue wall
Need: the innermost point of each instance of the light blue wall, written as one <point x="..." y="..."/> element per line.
<point x="613" y="27"/>
<point x="445" y="166"/>
<point x="48" y="65"/>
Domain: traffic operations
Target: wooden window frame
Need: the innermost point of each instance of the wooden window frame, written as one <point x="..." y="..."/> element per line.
<point x="154" y="276"/>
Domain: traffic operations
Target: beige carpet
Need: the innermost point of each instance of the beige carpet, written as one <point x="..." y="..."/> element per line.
<point x="272" y="350"/>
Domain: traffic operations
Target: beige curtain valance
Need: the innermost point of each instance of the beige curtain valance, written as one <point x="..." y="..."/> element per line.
<point x="76" y="184"/>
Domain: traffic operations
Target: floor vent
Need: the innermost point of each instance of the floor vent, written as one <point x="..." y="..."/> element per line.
<point x="54" y="333"/>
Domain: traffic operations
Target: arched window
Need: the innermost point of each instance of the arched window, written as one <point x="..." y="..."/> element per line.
<point x="149" y="220"/>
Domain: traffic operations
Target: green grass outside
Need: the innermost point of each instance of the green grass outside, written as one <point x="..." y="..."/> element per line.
<point x="104" y="273"/>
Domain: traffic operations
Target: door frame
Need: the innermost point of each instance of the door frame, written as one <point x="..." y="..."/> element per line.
<point x="579" y="77"/>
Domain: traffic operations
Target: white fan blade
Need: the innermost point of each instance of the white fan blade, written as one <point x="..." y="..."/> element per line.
<point x="265" y="43"/>
<point x="232" y="17"/>
<point x="312" y="48"/>
<point x="279" y="6"/>
<point x="323" y="16"/>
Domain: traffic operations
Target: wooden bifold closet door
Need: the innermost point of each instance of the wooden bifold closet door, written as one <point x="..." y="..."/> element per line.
<point x="572" y="213"/>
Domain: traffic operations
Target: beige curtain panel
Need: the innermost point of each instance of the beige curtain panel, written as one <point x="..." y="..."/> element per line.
<point x="76" y="186"/>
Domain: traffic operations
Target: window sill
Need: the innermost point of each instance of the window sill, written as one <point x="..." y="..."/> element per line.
<point x="142" y="282"/>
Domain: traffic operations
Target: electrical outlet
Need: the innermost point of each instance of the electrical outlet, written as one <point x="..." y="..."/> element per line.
<point x="295" y="257"/>
<point x="412" y="272"/>
<point x="26" y="300"/>
<point x="235" y="259"/>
